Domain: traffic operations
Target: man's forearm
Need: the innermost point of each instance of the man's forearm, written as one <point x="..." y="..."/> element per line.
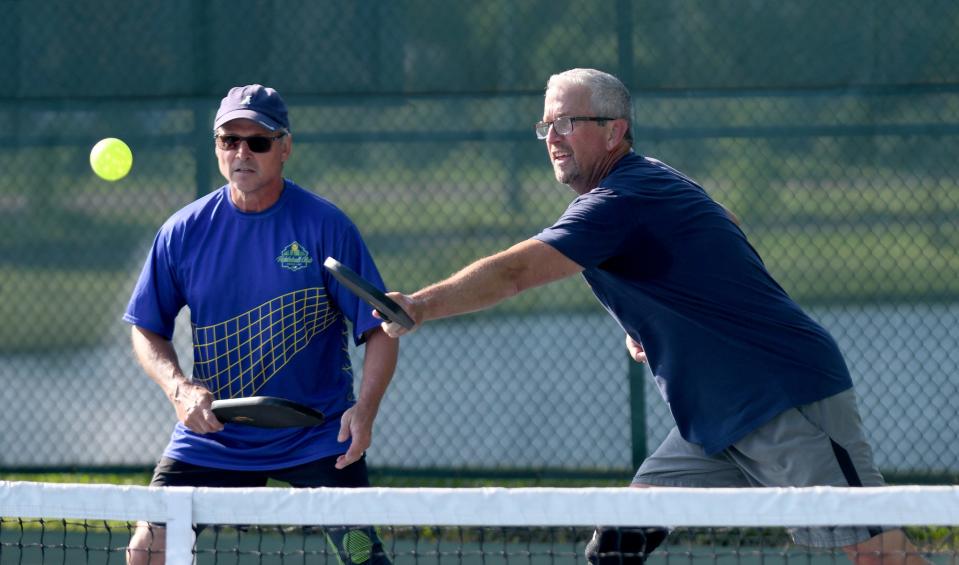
<point x="191" y="402"/>
<point x="493" y="279"/>
<point x="478" y="286"/>
<point x="379" y="364"/>
<point x="159" y="360"/>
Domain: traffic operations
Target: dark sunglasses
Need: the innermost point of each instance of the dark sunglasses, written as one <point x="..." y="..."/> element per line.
<point x="256" y="143"/>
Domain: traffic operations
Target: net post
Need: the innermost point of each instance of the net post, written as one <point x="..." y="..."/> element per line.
<point x="179" y="525"/>
<point x="636" y="373"/>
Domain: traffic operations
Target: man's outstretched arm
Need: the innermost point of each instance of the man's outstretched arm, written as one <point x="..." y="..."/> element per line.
<point x="486" y="282"/>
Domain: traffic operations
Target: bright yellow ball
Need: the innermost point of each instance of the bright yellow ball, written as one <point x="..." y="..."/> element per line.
<point x="111" y="159"/>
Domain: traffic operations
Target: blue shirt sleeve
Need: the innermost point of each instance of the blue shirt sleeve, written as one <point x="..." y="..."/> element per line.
<point x="353" y="252"/>
<point x="156" y="298"/>
<point x="592" y="229"/>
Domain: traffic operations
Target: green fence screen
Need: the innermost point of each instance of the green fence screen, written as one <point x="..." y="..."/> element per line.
<point x="830" y="128"/>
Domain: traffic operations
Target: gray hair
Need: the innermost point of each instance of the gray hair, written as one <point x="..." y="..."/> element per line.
<point x="608" y="95"/>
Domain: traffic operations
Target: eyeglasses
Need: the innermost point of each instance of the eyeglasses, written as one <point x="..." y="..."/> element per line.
<point x="564" y="125"/>
<point x="256" y="143"/>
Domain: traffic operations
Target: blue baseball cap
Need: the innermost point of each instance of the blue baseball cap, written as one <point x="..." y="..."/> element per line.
<point x="253" y="102"/>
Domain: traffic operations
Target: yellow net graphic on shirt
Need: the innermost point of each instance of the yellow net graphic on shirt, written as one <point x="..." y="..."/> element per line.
<point x="237" y="357"/>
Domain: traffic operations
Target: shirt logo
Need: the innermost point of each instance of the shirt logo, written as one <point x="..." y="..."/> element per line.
<point x="294" y="257"/>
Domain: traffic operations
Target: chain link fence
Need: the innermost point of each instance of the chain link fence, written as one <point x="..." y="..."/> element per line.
<point x="829" y="128"/>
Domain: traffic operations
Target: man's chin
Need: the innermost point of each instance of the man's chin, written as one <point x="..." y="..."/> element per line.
<point x="243" y="181"/>
<point x="564" y="177"/>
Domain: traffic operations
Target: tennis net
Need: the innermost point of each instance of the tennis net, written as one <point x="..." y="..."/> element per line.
<point x="57" y="523"/>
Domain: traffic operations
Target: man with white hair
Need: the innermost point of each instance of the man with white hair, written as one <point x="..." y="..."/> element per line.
<point x="751" y="380"/>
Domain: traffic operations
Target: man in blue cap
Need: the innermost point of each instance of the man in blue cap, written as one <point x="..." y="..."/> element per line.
<point x="267" y="321"/>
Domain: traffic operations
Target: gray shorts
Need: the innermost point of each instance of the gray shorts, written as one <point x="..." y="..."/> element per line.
<point x="817" y="444"/>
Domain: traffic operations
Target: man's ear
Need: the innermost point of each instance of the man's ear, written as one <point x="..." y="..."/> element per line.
<point x="617" y="131"/>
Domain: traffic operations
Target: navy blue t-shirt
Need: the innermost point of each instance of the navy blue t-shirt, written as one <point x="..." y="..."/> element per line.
<point x="267" y="318"/>
<point x="727" y="346"/>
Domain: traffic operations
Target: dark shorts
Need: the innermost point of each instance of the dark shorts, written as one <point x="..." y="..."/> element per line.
<point x="319" y="473"/>
<point x="359" y="545"/>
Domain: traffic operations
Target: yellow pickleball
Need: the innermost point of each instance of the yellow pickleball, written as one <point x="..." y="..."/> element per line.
<point x="111" y="159"/>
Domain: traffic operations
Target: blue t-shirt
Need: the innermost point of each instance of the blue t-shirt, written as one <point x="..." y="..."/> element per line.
<point x="267" y="318"/>
<point x="727" y="346"/>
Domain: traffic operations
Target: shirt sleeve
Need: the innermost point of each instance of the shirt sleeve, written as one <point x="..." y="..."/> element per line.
<point x="593" y="228"/>
<point x="157" y="297"/>
<point x="352" y="252"/>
